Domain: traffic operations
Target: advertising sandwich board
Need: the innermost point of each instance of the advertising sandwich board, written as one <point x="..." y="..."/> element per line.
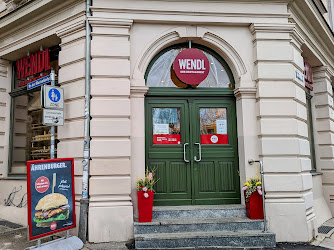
<point x="51" y="200"/>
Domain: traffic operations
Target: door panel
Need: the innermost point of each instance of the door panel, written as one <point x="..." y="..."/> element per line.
<point x="214" y="120"/>
<point x="167" y="159"/>
<point x="209" y="128"/>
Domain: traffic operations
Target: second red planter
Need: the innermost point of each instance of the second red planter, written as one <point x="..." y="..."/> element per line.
<point x="145" y="206"/>
<point x="254" y="207"/>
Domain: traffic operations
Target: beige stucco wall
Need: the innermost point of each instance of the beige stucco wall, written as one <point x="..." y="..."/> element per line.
<point x="263" y="49"/>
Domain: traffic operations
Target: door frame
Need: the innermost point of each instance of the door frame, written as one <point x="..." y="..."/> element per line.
<point x="203" y="93"/>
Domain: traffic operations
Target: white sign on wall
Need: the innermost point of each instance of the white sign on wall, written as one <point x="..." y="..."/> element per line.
<point x="53" y="117"/>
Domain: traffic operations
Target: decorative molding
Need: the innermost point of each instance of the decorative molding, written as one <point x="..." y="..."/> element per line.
<point x="71" y="29"/>
<point x="180" y="34"/>
<point x="138" y="91"/>
<point x="4" y="68"/>
<point x="271" y="28"/>
<point x="245" y="93"/>
<point x="110" y="22"/>
<point x="322" y="72"/>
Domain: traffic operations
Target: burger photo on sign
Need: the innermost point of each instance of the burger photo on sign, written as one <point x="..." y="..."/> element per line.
<point x="51" y="208"/>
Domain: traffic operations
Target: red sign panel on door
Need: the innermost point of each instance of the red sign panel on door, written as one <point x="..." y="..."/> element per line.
<point x="166" y="139"/>
<point x="214" y="139"/>
<point x="191" y="66"/>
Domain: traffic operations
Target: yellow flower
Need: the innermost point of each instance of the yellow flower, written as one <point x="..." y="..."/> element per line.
<point x="259" y="183"/>
<point x="247" y="184"/>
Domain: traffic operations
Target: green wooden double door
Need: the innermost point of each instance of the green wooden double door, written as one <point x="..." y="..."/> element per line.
<point x="191" y="143"/>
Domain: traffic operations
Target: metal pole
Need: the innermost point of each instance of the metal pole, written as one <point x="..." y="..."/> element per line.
<point x="251" y="162"/>
<point x="189" y="44"/>
<point x="52" y="146"/>
<point x="86" y="153"/>
<point x="263" y="197"/>
<point x="39" y="243"/>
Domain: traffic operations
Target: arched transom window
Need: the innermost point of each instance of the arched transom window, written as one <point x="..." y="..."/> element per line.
<point x="160" y="72"/>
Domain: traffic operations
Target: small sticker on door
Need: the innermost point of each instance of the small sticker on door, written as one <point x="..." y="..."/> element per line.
<point x="214" y="139"/>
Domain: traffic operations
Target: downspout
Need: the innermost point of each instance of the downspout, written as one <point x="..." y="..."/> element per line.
<point x="84" y="202"/>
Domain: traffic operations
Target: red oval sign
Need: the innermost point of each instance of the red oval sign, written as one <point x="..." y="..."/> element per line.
<point x="191" y="66"/>
<point x="42" y="184"/>
<point x="53" y="225"/>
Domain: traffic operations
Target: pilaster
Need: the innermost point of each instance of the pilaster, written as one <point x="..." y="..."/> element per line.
<point x="5" y="87"/>
<point x="324" y="128"/>
<point x="110" y="181"/>
<point x="282" y="131"/>
<point x="247" y="130"/>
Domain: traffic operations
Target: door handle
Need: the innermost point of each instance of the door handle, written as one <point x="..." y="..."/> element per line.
<point x="184" y="152"/>
<point x="200" y="152"/>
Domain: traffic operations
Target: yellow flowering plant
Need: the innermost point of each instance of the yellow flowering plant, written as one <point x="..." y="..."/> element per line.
<point x="251" y="186"/>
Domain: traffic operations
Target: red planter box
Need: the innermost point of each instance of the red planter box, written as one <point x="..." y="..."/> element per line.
<point x="254" y="207"/>
<point x="145" y="206"/>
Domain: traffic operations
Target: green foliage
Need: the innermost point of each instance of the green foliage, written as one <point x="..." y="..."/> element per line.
<point x="148" y="181"/>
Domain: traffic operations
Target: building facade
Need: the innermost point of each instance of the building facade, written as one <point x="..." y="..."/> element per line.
<point x="257" y="51"/>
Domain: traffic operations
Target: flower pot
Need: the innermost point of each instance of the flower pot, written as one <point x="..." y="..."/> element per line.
<point x="254" y="207"/>
<point x="145" y="206"/>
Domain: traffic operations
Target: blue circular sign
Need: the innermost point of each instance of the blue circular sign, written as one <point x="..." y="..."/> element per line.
<point x="54" y="95"/>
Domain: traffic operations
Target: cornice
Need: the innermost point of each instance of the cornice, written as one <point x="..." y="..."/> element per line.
<point x="110" y="22"/>
<point x="245" y="93"/>
<point x="271" y="28"/>
<point x="186" y="12"/>
<point x="73" y="28"/>
<point x="138" y="91"/>
<point x="322" y="72"/>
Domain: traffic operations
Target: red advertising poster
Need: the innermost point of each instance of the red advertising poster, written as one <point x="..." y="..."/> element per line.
<point x="167" y="139"/>
<point x="214" y="139"/>
<point x="51" y="201"/>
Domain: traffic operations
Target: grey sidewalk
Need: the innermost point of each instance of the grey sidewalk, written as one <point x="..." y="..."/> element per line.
<point x="326" y="236"/>
<point x="14" y="237"/>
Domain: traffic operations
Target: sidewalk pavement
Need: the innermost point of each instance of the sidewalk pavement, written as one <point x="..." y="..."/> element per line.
<point x="14" y="237"/>
<point x="326" y="238"/>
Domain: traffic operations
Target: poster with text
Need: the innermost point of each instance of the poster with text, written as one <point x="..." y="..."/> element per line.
<point x="51" y="203"/>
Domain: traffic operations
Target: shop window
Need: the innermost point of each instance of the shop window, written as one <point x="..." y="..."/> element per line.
<point x="160" y="72"/>
<point x="30" y="139"/>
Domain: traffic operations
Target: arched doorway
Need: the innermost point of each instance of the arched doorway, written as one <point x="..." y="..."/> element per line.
<point x="191" y="135"/>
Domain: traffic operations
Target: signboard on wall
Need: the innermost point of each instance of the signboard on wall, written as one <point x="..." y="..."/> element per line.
<point x="191" y="66"/>
<point x="308" y="75"/>
<point x="51" y="200"/>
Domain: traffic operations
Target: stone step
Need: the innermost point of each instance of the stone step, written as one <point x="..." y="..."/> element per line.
<point x="207" y="211"/>
<point x="198" y="225"/>
<point x="216" y="239"/>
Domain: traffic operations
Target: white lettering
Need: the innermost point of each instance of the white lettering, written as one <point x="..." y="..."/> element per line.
<point x="188" y="63"/>
<point x="193" y="64"/>
<point x="182" y="63"/>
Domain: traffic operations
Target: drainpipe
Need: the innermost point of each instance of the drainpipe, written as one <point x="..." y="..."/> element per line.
<point x="84" y="202"/>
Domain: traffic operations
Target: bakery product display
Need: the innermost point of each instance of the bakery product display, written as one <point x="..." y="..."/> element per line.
<point x="52" y="207"/>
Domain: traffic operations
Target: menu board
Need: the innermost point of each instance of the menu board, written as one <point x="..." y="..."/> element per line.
<point x="51" y="200"/>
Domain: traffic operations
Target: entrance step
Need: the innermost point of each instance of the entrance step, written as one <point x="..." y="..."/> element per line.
<point x="198" y="225"/>
<point x="207" y="211"/>
<point x="216" y="239"/>
<point x="214" y="226"/>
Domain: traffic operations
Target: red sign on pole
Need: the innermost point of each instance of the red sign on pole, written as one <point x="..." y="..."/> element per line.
<point x="51" y="200"/>
<point x="191" y="66"/>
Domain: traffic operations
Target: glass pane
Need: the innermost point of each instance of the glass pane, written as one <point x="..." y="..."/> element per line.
<point x="31" y="139"/>
<point x="160" y="72"/>
<point x="166" y="126"/>
<point x="213" y="125"/>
